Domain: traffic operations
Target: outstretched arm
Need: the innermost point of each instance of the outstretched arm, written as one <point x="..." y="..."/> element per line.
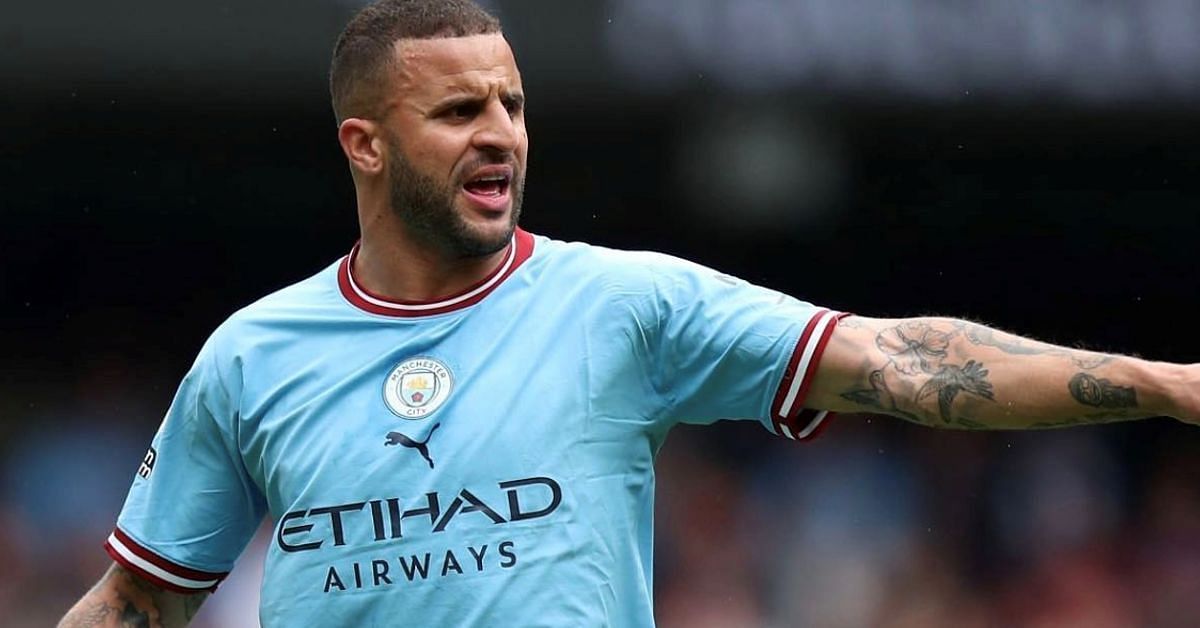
<point x="957" y="374"/>
<point x="124" y="599"/>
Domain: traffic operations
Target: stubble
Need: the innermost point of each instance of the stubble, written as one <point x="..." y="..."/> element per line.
<point x="428" y="211"/>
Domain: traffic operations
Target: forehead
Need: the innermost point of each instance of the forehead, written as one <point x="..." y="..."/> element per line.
<point x="438" y="67"/>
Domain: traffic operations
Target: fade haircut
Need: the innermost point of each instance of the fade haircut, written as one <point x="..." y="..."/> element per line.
<point x="364" y="56"/>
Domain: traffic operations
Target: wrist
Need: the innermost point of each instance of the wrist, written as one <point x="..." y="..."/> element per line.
<point x="1160" y="386"/>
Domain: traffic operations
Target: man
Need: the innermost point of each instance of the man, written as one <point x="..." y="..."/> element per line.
<point x="456" y="423"/>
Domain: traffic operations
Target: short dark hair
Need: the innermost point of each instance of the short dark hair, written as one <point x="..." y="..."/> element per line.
<point x="365" y="53"/>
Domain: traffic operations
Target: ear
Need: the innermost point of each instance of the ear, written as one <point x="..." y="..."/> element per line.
<point x="362" y="145"/>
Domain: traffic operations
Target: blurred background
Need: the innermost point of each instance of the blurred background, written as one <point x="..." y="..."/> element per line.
<point x="1035" y="166"/>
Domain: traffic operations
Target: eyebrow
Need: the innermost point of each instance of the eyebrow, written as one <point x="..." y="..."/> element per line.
<point x="514" y="96"/>
<point x="466" y="97"/>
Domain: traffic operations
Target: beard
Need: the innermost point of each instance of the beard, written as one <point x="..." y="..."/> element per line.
<point x="428" y="209"/>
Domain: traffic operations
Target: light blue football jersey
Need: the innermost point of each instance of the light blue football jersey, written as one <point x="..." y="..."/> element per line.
<point x="485" y="460"/>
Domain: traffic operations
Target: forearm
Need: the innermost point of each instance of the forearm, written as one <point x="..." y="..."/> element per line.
<point x="122" y="599"/>
<point x="952" y="373"/>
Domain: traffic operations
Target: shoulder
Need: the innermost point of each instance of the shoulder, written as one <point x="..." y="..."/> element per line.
<point x="281" y="312"/>
<point x="614" y="269"/>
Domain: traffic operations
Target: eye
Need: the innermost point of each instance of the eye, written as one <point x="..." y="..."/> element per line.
<point x="514" y="105"/>
<point x="463" y="111"/>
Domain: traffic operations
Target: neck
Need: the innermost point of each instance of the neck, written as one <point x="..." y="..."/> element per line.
<point x="394" y="267"/>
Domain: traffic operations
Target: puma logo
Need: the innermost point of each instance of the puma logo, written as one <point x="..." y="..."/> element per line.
<point x="396" y="438"/>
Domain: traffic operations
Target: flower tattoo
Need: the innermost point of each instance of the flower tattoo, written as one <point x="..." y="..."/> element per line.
<point x="914" y="347"/>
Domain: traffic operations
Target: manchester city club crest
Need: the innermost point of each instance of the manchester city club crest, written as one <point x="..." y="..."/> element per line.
<point x="417" y="387"/>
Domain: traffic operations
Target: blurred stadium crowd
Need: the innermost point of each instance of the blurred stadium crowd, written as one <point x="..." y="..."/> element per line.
<point x="169" y="168"/>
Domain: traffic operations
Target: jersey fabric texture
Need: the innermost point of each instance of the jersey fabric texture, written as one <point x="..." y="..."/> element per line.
<point x="483" y="460"/>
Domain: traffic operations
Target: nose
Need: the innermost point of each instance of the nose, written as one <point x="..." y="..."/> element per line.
<point x="499" y="130"/>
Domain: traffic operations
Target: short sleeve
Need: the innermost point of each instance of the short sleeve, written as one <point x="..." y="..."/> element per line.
<point x="192" y="507"/>
<point x="733" y="350"/>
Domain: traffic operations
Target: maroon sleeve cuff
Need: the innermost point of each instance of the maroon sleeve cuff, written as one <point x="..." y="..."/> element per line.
<point x="165" y="573"/>
<point x="788" y="415"/>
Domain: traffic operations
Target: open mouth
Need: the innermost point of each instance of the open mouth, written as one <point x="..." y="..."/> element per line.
<point x="488" y="186"/>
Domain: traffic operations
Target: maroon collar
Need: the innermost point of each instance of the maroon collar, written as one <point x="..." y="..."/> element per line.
<point x="519" y="250"/>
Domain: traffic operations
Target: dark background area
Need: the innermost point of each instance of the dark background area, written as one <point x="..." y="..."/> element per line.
<point x="143" y="203"/>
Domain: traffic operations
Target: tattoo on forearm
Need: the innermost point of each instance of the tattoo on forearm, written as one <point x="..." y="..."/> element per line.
<point x="880" y="397"/>
<point x="951" y="380"/>
<point x="914" y="348"/>
<point x="98" y="614"/>
<point x="988" y="337"/>
<point x="930" y="370"/>
<point x="134" y="618"/>
<point x="1101" y="393"/>
<point x="1091" y="361"/>
<point x="132" y="602"/>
